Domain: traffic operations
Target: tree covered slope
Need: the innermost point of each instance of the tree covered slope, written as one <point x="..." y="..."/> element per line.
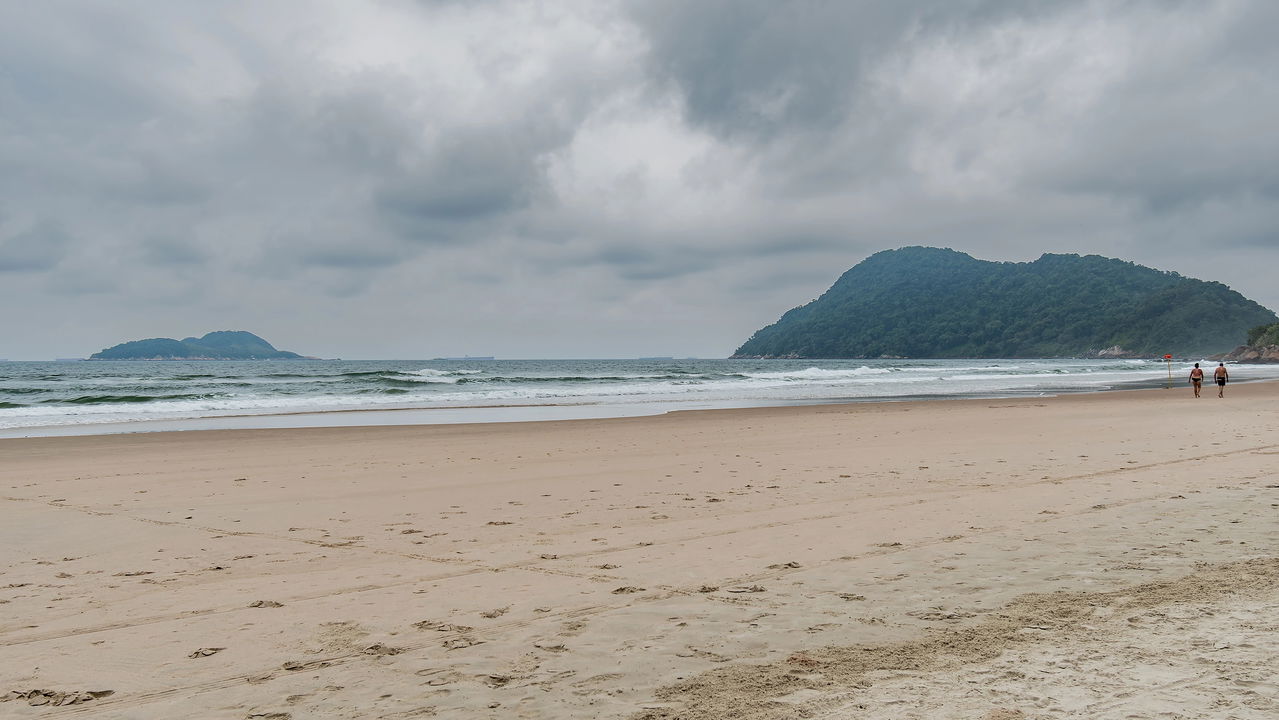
<point x="939" y="303"/>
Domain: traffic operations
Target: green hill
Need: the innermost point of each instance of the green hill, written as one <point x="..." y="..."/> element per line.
<point x="219" y="345"/>
<point x="939" y="303"/>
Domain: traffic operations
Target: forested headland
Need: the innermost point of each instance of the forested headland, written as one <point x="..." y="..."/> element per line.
<point x="939" y="303"/>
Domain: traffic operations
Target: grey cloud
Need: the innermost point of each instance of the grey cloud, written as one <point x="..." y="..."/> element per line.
<point x="729" y="158"/>
<point x="640" y="264"/>
<point x="35" y="250"/>
<point x="470" y="176"/>
<point x="766" y="67"/>
<point x="362" y="123"/>
<point x="1181" y="128"/>
<point x="762" y="67"/>
<point x="84" y="281"/>
<point x="169" y="252"/>
<point x="648" y="262"/>
<point x="1175" y="137"/>
<point x="349" y="257"/>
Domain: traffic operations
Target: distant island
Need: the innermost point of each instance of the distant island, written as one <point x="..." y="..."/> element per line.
<point x="219" y="345"/>
<point x="921" y="302"/>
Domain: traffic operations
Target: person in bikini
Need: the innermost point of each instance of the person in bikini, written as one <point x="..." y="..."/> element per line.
<point x="1197" y="378"/>
<point x="1222" y="376"/>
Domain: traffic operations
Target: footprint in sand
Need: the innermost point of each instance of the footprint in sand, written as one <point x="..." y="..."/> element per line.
<point x="37" y="698"/>
<point x="939" y="613"/>
<point x="441" y="626"/>
<point x="820" y="627"/>
<point x="803" y="660"/>
<point x="205" y="652"/>
<point x="496" y="612"/>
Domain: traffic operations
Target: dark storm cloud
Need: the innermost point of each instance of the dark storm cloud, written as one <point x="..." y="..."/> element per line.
<point x="470" y="175"/>
<point x="766" y="67"/>
<point x="536" y="176"/>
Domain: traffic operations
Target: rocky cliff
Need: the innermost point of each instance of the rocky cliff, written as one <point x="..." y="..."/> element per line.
<point x="1262" y="347"/>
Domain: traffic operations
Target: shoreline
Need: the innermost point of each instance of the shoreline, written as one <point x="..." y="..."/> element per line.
<point x="519" y="413"/>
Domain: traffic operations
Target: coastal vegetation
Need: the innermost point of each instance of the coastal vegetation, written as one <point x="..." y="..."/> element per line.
<point x="218" y="345"/>
<point x="923" y="302"/>
<point x="1262" y="346"/>
<point x="1264" y="335"/>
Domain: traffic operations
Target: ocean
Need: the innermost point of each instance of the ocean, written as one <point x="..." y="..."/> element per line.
<point x="57" y="398"/>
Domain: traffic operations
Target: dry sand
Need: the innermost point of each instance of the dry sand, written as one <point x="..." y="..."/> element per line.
<point x="1098" y="556"/>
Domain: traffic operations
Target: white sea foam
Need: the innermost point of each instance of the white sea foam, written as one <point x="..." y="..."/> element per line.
<point x="815" y="373"/>
<point x="431" y="372"/>
<point x="51" y="395"/>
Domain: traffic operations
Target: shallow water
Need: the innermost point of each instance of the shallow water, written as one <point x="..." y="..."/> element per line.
<point x="108" y="396"/>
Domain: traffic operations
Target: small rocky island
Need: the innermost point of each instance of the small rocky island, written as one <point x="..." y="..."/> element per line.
<point x="219" y="345"/>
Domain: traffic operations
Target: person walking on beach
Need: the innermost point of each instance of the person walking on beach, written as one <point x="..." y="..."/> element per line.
<point x="1197" y="378"/>
<point x="1222" y="376"/>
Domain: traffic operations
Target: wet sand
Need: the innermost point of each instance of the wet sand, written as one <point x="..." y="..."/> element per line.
<point x="1100" y="556"/>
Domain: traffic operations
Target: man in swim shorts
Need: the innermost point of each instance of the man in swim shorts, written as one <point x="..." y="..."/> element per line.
<point x="1222" y="376"/>
<point x="1197" y="379"/>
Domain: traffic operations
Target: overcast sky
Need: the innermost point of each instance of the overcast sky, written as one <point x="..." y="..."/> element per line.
<point x="403" y="179"/>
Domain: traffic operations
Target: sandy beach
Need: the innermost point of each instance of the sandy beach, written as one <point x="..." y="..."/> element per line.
<point x="1113" y="555"/>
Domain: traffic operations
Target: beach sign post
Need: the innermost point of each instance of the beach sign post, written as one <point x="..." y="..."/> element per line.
<point x="1168" y="362"/>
